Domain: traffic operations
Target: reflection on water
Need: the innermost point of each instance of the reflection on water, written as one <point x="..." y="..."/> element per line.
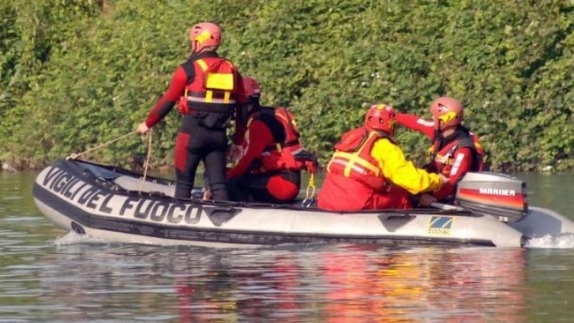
<point x="406" y="285"/>
<point x="349" y="283"/>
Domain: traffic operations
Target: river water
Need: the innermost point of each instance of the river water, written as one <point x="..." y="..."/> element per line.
<point x="48" y="275"/>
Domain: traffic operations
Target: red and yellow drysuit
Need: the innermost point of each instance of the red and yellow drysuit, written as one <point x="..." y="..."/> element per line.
<point x="369" y="171"/>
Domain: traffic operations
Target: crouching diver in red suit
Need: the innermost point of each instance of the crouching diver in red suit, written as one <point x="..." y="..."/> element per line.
<point x="209" y="90"/>
<point x="269" y="169"/>
<point x="455" y="150"/>
<point x="369" y="171"/>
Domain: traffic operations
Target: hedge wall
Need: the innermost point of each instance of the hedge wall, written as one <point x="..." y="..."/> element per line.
<point x="78" y="73"/>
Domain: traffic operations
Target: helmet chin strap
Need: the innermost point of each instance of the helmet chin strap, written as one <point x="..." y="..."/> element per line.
<point x="438" y="126"/>
<point x="391" y="131"/>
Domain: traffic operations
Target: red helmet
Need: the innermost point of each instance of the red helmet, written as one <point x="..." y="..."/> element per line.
<point x="204" y="34"/>
<point x="446" y="112"/>
<point x="251" y="87"/>
<point x="381" y="117"/>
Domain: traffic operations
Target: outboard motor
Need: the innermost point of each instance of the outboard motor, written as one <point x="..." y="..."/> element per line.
<point x="498" y="195"/>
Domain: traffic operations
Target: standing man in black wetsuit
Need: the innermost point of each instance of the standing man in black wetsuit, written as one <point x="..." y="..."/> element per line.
<point x="208" y="91"/>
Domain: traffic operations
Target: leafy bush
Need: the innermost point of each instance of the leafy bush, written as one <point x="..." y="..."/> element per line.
<point x="78" y="73"/>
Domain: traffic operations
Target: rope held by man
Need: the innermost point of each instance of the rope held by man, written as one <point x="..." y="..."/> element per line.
<point x="76" y="155"/>
<point x="146" y="164"/>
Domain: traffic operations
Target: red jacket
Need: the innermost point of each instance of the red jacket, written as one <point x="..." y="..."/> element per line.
<point x="453" y="156"/>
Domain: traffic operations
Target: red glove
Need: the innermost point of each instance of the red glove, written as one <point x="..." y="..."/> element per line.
<point x="182" y="106"/>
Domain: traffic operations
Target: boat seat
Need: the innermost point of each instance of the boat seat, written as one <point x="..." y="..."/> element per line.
<point x="135" y="184"/>
<point x="101" y="172"/>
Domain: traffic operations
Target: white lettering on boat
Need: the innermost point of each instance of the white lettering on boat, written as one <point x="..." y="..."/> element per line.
<point x="83" y="194"/>
<point x="157" y="211"/>
<point x="497" y="191"/>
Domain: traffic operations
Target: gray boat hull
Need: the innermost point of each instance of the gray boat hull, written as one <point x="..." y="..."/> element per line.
<point x="116" y="205"/>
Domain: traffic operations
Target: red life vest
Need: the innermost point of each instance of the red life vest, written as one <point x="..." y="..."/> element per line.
<point x="211" y="88"/>
<point x="353" y="159"/>
<point x="290" y="146"/>
<point x="443" y="159"/>
<point x="287" y="152"/>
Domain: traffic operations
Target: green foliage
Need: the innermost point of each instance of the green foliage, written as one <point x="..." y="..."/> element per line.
<point x="78" y="73"/>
